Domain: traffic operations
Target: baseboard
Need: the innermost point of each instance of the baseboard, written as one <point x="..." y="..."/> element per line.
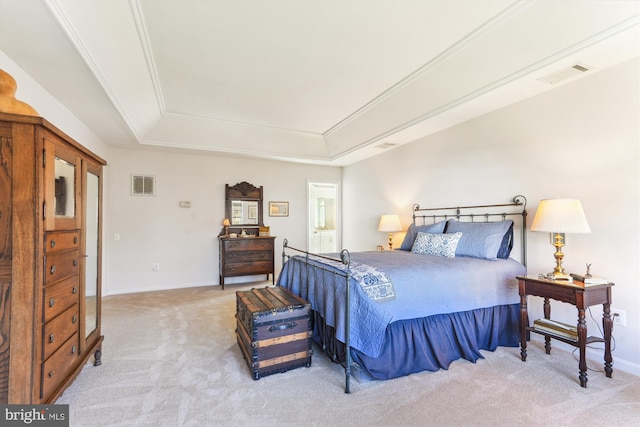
<point x="158" y="288"/>
<point x="595" y="355"/>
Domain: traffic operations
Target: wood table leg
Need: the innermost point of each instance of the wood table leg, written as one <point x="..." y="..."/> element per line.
<point x="546" y="307"/>
<point x="582" y="343"/>
<point x="523" y="327"/>
<point x="607" y="325"/>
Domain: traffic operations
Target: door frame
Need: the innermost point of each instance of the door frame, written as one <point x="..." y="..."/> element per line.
<point x="338" y="209"/>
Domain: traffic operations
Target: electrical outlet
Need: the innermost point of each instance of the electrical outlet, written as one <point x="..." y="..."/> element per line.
<point x="156" y="266"/>
<point x="619" y="317"/>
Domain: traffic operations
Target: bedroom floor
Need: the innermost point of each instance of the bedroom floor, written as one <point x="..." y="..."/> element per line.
<point x="170" y="358"/>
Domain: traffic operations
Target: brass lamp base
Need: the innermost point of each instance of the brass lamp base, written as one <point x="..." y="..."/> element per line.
<point x="558" y="272"/>
<point x="390" y="241"/>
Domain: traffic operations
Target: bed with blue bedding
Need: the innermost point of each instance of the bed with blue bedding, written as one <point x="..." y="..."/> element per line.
<point x="447" y="293"/>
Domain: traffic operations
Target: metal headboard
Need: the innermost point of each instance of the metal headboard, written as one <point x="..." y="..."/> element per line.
<point x="518" y="208"/>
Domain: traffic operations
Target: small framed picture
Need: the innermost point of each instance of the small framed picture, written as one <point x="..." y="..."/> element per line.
<point x="278" y="208"/>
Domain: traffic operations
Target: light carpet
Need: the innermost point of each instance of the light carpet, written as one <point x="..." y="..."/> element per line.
<point x="170" y="358"/>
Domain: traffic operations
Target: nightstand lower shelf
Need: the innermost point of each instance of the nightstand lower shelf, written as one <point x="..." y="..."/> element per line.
<point x="573" y="342"/>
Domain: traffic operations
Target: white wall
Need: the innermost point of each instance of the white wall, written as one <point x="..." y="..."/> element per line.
<point x="184" y="240"/>
<point x="580" y="141"/>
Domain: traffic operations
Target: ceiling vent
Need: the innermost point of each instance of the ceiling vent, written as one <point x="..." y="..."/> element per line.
<point x="143" y="185"/>
<point x="564" y="74"/>
<point x="386" y="145"/>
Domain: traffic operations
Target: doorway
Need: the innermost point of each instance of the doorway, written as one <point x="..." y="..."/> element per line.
<point x="323" y="219"/>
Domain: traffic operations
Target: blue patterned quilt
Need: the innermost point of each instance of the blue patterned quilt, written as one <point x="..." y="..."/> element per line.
<point x="423" y="285"/>
<point x="375" y="283"/>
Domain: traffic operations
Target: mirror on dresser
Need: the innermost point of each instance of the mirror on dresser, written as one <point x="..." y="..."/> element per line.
<point x="244" y="207"/>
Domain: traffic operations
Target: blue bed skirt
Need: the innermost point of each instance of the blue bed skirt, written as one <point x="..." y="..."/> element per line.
<point x="431" y="343"/>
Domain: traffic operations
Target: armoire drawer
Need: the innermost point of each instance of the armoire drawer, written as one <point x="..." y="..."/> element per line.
<point x="59" y="266"/>
<point x="59" y="330"/>
<point x="60" y="296"/>
<point x="56" y="367"/>
<point x="61" y="241"/>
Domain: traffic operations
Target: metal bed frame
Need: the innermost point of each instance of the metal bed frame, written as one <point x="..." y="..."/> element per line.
<point x="457" y="212"/>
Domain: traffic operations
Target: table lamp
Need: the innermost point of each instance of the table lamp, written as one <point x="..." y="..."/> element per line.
<point x="226" y="224"/>
<point x="560" y="216"/>
<point x="390" y="223"/>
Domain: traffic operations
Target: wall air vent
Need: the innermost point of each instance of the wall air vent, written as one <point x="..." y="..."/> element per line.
<point x="564" y="74"/>
<point x="386" y="145"/>
<point x="143" y="185"/>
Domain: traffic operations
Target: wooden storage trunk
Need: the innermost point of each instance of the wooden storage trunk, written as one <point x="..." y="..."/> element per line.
<point x="273" y="330"/>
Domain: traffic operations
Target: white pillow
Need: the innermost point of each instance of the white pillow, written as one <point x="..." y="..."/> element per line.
<point x="436" y="244"/>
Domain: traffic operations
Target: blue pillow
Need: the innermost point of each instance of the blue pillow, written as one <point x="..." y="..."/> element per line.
<point x="507" y="244"/>
<point x="413" y="231"/>
<point x="480" y="239"/>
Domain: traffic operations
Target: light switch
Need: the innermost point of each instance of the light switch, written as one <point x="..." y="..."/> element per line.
<point x="185" y="204"/>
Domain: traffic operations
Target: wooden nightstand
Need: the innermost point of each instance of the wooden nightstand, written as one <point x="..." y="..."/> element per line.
<point x="581" y="296"/>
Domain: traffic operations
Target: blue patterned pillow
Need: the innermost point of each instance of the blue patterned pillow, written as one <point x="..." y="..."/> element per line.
<point x="436" y="244"/>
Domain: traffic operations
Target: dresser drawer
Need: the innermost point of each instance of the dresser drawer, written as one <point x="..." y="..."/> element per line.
<point x="59" y="330"/>
<point x="59" y="266"/>
<point x="56" y="368"/>
<point x="250" y="256"/>
<point x="248" y="244"/>
<point x="248" y="268"/>
<point x="61" y="241"/>
<point x="60" y="296"/>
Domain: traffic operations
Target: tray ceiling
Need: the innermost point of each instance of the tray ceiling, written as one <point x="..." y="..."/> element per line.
<point x="328" y="82"/>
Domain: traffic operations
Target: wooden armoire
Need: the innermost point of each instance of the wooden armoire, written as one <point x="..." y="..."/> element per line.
<point x="50" y="259"/>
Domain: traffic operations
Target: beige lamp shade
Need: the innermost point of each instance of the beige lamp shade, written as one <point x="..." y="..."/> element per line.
<point x="226" y="222"/>
<point x="389" y="223"/>
<point x="560" y="216"/>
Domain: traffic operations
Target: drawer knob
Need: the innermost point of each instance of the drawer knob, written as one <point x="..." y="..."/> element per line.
<point x="73" y="349"/>
<point x="53" y="269"/>
<point x="74" y="319"/>
<point x="51" y="302"/>
<point x="53" y="243"/>
<point x="50" y="374"/>
<point x="75" y="262"/>
<point x="74" y="290"/>
<point x="75" y="239"/>
<point x="51" y="338"/>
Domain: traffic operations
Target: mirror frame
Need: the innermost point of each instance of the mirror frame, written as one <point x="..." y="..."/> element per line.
<point x="243" y="191"/>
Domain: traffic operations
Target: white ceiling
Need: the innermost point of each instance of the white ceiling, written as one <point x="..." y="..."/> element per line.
<point x="315" y="81"/>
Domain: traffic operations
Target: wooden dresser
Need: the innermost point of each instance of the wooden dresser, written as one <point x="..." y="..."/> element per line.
<point x="245" y="256"/>
<point x="50" y="259"/>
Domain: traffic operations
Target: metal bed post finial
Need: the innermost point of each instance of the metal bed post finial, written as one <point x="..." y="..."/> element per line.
<point x="285" y="244"/>
<point x="520" y="200"/>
